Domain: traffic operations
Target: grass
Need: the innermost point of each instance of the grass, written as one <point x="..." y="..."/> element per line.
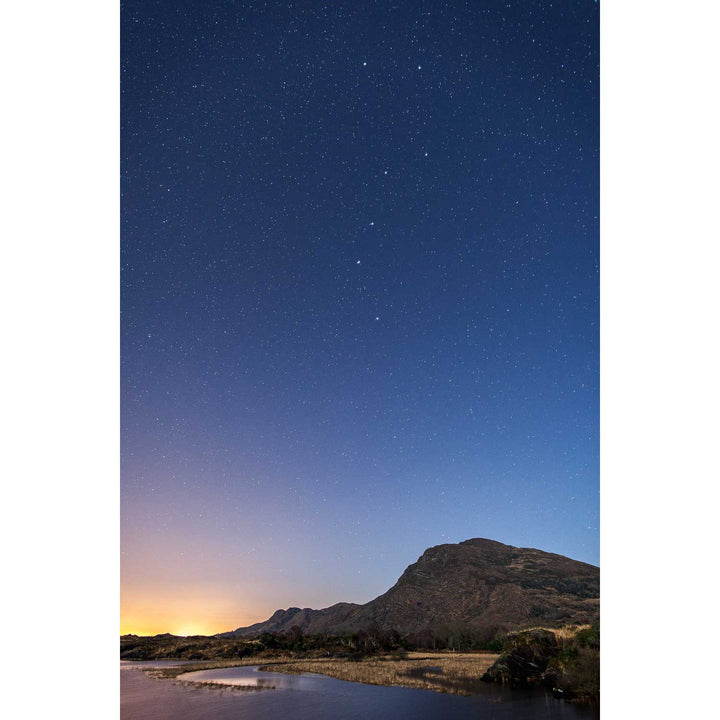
<point x="225" y="686"/>
<point x="457" y="673"/>
<point x="173" y="673"/>
<point x="175" y="670"/>
<point x="564" y="633"/>
<point x="450" y="672"/>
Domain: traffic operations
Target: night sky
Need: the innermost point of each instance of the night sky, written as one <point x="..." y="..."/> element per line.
<point x="360" y="279"/>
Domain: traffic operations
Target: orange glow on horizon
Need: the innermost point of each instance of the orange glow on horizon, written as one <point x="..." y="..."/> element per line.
<point x="183" y="613"/>
<point x="138" y="627"/>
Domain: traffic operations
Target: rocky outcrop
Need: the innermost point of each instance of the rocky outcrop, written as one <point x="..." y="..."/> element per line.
<point x="525" y="658"/>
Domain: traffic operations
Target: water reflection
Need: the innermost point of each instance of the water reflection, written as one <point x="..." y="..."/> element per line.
<point x="252" y="676"/>
<point x="318" y="697"/>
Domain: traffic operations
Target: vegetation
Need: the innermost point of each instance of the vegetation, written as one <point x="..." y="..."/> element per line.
<point x="173" y="671"/>
<point x="567" y="660"/>
<point x="222" y="686"/>
<point x="357" y="645"/>
<point x="576" y="667"/>
<point x="166" y="647"/>
<point x="457" y="673"/>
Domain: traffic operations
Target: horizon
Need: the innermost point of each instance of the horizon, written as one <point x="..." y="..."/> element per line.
<point x="183" y="632"/>
<point x="359" y="297"/>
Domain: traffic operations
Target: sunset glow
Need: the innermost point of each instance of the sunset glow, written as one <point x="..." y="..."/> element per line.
<point x="162" y="613"/>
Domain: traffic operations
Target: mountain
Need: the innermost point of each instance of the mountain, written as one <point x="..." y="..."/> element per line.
<point x="478" y="584"/>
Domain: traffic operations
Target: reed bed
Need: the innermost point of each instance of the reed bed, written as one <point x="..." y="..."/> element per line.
<point x="209" y="685"/>
<point x="174" y="670"/>
<point x="457" y="673"/>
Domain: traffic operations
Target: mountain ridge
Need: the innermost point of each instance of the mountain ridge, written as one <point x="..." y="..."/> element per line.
<point x="479" y="584"/>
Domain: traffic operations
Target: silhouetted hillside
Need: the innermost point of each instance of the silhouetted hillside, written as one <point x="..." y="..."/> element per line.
<point x="478" y="584"/>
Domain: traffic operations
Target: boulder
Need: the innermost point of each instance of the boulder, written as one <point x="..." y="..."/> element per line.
<point x="524" y="658"/>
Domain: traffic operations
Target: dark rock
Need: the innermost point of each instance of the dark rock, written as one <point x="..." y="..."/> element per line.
<point x="525" y="658"/>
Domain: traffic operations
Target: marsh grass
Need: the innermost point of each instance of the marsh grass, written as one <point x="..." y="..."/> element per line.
<point x="175" y="670"/>
<point x="457" y="673"/>
<point x="223" y="686"/>
<point x="173" y="673"/>
<point x="451" y="672"/>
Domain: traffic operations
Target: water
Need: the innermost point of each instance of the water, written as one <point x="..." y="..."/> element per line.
<point x="317" y="697"/>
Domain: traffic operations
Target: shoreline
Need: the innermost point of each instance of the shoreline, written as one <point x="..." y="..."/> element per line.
<point x="564" y="659"/>
<point x="457" y="674"/>
<point x="453" y="673"/>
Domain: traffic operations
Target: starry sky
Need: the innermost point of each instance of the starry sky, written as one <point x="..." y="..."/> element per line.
<point x="359" y="295"/>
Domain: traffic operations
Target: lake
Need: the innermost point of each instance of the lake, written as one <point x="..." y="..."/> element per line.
<point x="318" y="697"/>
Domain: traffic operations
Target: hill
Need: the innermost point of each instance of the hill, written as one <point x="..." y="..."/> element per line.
<point x="478" y="585"/>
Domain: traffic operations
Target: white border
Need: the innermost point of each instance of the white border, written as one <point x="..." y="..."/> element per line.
<point x="659" y="357"/>
<point x="60" y="362"/>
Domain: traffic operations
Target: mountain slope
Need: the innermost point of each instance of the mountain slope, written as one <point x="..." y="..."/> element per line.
<point x="480" y="584"/>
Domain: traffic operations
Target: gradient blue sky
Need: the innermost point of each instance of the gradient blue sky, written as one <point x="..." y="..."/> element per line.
<point x="359" y="296"/>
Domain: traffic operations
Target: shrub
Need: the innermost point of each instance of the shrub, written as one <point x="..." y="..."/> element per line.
<point x="589" y="638"/>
